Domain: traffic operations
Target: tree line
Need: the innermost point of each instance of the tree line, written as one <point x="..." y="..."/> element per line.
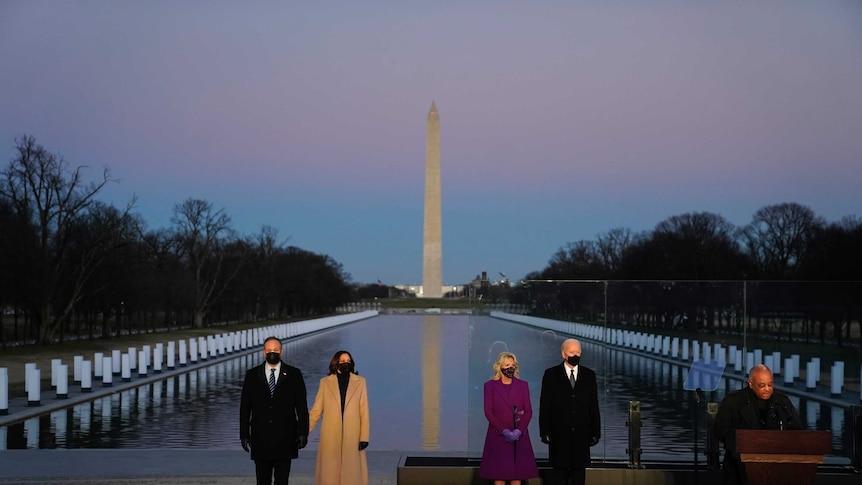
<point x="788" y="272"/>
<point x="784" y="241"/>
<point x="72" y="265"/>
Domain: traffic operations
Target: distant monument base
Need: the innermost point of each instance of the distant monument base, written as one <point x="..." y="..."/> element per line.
<point x="428" y="311"/>
<point x="420" y="292"/>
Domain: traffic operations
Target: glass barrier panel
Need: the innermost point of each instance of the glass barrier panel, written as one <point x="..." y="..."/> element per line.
<point x="643" y="338"/>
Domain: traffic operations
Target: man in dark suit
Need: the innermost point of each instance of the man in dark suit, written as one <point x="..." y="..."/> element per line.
<point x="569" y="419"/>
<point x="757" y="406"/>
<point x="273" y="415"/>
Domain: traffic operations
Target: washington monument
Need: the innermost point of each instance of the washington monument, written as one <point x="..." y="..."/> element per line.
<point x="432" y="248"/>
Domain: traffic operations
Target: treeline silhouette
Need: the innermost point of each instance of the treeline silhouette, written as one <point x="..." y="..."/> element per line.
<point x="786" y="274"/>
<point x="72" y="265"/>
<point x="784" y="241"/>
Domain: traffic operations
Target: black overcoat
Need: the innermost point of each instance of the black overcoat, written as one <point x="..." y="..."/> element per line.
<point x="738" y="410"/>
<point x="273" y="423"/>
<point x="570" y="417"/>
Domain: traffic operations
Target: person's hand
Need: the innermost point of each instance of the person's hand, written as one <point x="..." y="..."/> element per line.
<point x="508" y="435"/>
<point x="363" y="445"/>
<point x="246" y="444"/>
<point x="516" y="433"/>
<point x="546" y="439"/>
<point x="301" y="441"/>
<point x="594" y="440"/>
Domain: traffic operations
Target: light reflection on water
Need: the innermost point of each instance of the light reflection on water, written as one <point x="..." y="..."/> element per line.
<point x="425" y="377"/>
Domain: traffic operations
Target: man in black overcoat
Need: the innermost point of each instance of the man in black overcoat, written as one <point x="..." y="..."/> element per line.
<point x="273" y="425"/>
<point x="757" y="406"/>
<point x="569" y="419"/>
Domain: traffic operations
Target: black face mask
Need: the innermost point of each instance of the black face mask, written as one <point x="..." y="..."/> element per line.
<point x="273" y="357"/>
<point x="573" y="360"/>
<point x="345" y="367"/>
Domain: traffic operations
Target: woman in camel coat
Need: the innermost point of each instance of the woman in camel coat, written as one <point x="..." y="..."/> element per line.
<point x="343" y="401"/>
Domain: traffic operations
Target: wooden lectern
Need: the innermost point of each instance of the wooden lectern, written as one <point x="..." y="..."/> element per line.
<point x="782" y="457"/>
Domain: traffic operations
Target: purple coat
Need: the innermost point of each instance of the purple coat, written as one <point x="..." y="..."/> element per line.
<point x="503" y="460"/>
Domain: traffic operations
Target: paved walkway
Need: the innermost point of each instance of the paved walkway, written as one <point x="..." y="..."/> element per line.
<point x="163" y="467"/>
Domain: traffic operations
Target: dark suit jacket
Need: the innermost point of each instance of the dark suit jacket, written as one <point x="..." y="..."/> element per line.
<point x="570" y="417"/>
<point x="273" y="423"/>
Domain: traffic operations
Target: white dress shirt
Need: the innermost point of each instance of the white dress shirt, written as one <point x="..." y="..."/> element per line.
<point x="569" y="370"/>
<point x="267" y="367"/>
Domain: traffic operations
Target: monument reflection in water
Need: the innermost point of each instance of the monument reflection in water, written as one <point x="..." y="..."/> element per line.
<point x="425" y="375"/>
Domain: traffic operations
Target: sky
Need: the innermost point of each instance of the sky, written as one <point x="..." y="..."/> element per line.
<point x="559" y="120"/>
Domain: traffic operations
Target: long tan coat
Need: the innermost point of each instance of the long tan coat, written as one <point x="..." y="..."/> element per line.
<point x="339" y="461"/>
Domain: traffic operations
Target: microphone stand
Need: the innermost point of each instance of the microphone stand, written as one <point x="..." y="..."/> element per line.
<point x="697" y="392"/>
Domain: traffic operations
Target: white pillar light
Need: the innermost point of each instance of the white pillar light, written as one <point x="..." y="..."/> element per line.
<point x="63" y="381"/>
<point x="4" y="394"/>
<point x="76" y="369"/>
<point x="126" y="371"/>
<point x="86" y="376"/>
<point x="55" y="364"/>
<point x="98" y="360"/>
<point x="34" y="393"/>
<point x="116" y="362"/>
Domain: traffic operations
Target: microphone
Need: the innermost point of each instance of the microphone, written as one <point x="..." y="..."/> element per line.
<point x="786" y="414"/>
<point x="776" y="415"/>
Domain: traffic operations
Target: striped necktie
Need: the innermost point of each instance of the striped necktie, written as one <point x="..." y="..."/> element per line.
<point x="271" y="382"/>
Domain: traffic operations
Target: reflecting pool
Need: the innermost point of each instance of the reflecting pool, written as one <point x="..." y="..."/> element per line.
<point x="425" y="375"/>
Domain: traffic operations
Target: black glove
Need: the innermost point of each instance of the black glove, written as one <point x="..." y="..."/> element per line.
<point x="363" y="445"/>
<point x="301" y="441"/>
<point x="546" y="439"/>
<point x="594" y="440"/>
<point x="246" y="444"/>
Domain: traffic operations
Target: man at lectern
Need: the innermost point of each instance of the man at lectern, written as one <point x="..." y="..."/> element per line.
<point x="757" y="406"/>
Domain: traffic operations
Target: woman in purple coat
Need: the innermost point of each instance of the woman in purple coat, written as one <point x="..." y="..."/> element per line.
<point x="508" y="454"/>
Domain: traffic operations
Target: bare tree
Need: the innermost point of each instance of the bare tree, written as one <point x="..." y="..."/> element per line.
<point x="778" y="236"/>
<point x="259" y="274"/>
<point x="698" y="245"/>
<point x="13" y="239"/>
<point x="576" y="260"/>
<point x="98" y="243"/>
<point x="53" y="199"/>
<point x="203" y="235"/>
<point x="612" y="245"/>
<point x="310" y="283"/>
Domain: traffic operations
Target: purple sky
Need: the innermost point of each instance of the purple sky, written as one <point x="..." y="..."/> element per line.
<point x="558" y="122"/>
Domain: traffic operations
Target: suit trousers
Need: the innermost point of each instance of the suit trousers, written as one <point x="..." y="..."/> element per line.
<point x="265" y="470"/>
<point x="565" y="476"/>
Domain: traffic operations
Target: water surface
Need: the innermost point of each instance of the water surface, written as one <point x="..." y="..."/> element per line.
<point x="425" y="375"/>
